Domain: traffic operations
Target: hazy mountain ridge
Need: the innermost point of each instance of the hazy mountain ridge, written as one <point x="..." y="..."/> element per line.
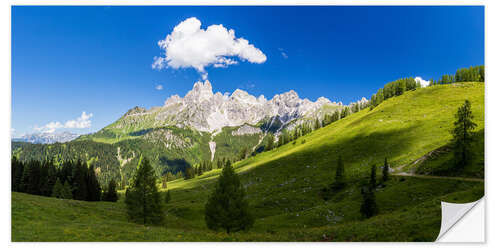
<point x="47" y="138"/>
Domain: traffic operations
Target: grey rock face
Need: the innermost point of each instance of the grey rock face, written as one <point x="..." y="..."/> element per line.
<point x="203" y="110"/>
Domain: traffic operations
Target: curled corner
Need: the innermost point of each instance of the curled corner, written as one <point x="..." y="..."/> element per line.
<point x="451" y="213"/>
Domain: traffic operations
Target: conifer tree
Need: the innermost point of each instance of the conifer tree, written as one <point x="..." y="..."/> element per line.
<point x="462" y="135"/>
<point x="270" y="143"/>
<point x="373" y="176"/>
<point x="31" y="178"/>
<point x="57" y="189"/>
<point x="339" y="182"/>
<point x="93" y="187"/>
<point x="144" y="203"/>
<point x="227" y="207"/>
<point x="368" y="205"/>
<point x="167" y="197"/>
<point x="110" y="193"/>
<point x="66" y="192"/>
<point x="79" y="179"/>
<point x="385" y="171"/>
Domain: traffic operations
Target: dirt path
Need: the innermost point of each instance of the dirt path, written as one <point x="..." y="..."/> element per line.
<point x="438" y="177"/>
<point x="397" y="170"/>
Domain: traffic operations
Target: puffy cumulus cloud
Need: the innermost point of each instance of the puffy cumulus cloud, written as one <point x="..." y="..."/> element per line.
<point x="423" y="82"/>
<point x="190" y="46"/>
<point x="159" y="87"/>
<point x="81" y="122"/>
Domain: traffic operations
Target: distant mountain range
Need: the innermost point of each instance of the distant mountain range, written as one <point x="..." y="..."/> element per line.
<point x="201" y="126"/>
<point x="47" y="138"/>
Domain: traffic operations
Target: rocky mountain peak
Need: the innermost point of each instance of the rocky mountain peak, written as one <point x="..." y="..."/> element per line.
<point x="203" y="110"/>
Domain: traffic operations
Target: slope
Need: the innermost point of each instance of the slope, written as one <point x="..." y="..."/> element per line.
<point x="283" y="185"/>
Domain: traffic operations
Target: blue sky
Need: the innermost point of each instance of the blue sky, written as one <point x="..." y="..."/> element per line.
<point x="67" y="60"/>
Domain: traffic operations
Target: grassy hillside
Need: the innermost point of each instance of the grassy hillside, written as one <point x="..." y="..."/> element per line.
<point x="283" y="185"/>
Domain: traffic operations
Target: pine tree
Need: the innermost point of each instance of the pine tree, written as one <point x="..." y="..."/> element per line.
<point x="270" y="143"/>
<point x="144" y="204"/>
<point x="167" y="197"/>
<point x="373" y="176"/>
<point x="17" y="175"/>
<point x="385" y="171"/>
<point x="368" y="205"/>
<point x="110" y="193"/>
<point x="227" y="207"/>
<point x="93" y="187"/>
<point x="31" y="178"/>
<point x="66" y="192"/>
<point x="79" y="179"/>
<point x="339" y="182"/>
<point x="462" y="135"/>
<point x="57" y="189"/>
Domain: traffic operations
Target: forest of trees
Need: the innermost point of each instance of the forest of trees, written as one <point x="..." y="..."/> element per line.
<point x="398" y="87"/>
<point x="71" y="180"/>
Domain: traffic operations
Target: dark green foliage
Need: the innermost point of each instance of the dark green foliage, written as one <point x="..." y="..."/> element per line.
<point x="17" y="169"/>
<point x="385" y="171"/>
<point x="31" y="178"/>
<point x="345" y="112"/>
<point x="227" y="207"/>
<point x="471" y="74"/>
<point x="66" y="191"/>
<point x="167" y="197"/>
<point x="57" y="189"/>
<point x="373" y="176"/>
<point x="190" y="173"/>
<point x="369" y="204"/>
<point x="270" y="142"/>
<point x="79" y="181"/>
<point x="110" y="193"/>
<point x="243" y="153"/>
<point x="398" y="87"/>
<point x="93" y="187"/>
<point x="144" y="203"/>
<point x="463" y="135"/>
<point x="340" y="181"/>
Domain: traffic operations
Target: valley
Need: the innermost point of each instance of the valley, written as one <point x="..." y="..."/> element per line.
<point x="283" y="185"/>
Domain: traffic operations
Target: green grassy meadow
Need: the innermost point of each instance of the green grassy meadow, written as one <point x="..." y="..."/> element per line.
<point x="283" y="185"/>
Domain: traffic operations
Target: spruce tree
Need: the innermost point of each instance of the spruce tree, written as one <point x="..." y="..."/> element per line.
<point x="227" y="207"/>
<point x="462" y="135"/>
<point x="385" y="171"/>
<point x="270" y="143"/>
<point x="167" y="196"/>
<point x="57" y="189"/>
<point x="31" y="178"/>
<point x="110" y="193"/>
<point x="66" y="192"/>
<point x="93" y="187"/>
<point x="368" y="205"/>
<point x="144" y="203"/>
<point x="373" y="176"/>
<point x="79" y="179"/>
<point x="339" y="182"/>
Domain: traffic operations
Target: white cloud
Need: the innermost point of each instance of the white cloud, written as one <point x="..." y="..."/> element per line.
<point x="81" y="122"/>
<point x="191" y="46"/>
<point x="159" y="87"/>
<point x="423" y="82"/>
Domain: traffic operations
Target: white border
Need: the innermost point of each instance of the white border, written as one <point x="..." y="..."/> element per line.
<point x="492" y="129"/>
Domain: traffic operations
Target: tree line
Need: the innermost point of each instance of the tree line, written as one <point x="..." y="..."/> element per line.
<point x="71" y="180"/>
<point x="398" y="87"/>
